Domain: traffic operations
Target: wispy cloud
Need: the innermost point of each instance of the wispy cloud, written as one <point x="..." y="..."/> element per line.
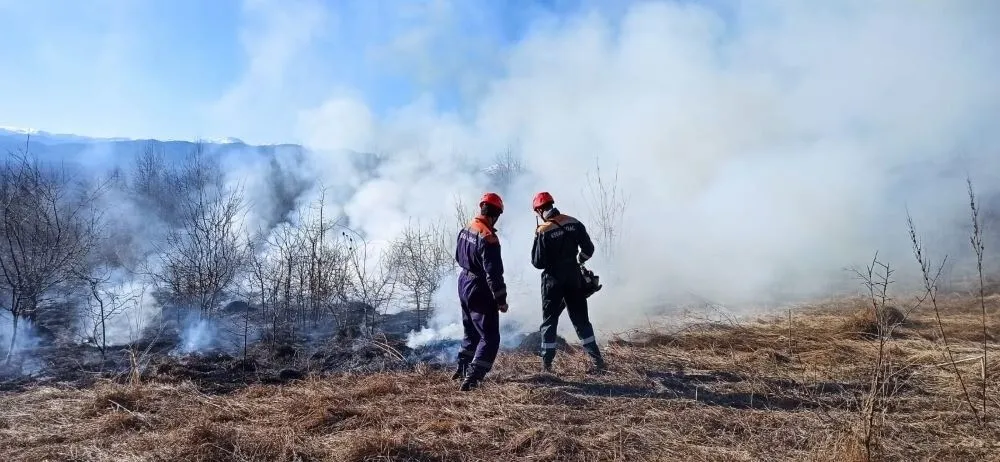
<point x="282" y="65"/>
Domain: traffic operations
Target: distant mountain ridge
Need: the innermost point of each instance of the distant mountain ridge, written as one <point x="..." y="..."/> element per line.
<point x="63" y="138"/>
<point x="120" y="151"/>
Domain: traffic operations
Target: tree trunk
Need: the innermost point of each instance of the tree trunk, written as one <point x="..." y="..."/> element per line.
<point x="13" y="340"/>
<point x="246" y="334"/>
<point x="420" y="321"/>
<point x="104" y="333"/>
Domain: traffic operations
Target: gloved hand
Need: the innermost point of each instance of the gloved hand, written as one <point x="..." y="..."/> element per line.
<point x="580" y="259"/>
<point x="503" y="308"/>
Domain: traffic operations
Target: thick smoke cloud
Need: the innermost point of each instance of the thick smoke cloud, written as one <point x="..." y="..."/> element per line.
<point x="763" y="152"/>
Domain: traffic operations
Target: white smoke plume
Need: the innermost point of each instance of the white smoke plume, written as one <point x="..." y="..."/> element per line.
<point x="763" y="150"/>
<point x="26" y="341"/>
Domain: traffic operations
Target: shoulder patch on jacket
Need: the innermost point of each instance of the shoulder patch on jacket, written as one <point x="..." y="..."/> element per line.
<point x="484" y="232"/>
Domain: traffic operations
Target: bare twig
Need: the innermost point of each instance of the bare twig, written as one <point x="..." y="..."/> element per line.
<point x="876" y="279"/>
<point x="977" y="244"/>
<point x="608" y="203"/>
<point x="931" y="285"/>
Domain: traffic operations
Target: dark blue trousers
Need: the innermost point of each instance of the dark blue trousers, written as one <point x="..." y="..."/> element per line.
<point x="481" y="325"/>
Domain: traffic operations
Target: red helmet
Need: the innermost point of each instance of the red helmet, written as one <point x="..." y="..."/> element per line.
<point x="541" y="199"/>
<point x="492" y="199"/>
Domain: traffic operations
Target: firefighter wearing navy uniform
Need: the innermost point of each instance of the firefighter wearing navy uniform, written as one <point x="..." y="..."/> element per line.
<point x="482" y="292"/>
<point x="561" y="247"/>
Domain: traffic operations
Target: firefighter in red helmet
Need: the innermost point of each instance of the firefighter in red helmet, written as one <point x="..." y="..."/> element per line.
<point x="481" y="291"/>
<point x="561" y="247"/>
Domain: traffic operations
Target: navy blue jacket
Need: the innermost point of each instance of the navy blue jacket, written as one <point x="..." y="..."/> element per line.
<point x="558" y="242"/>
<point x="478" y="253"/>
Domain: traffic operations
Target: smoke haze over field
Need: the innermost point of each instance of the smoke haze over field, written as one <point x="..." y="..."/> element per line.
<point x="762" y="152"/>
<point x="762" y="149"/>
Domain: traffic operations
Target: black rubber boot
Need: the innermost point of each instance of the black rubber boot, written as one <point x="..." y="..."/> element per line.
<point x="461" y="371"/>
<point x="473" y="379"/>
<point x="548" y="355"/>
<point x="470" y="383"/>
<point x="595" y="355"/>
<point x="600" y="367"/>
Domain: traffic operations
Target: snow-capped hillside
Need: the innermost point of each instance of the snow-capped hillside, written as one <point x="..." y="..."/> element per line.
<point x="42" y="136"/>
<point x="121" y="151"/>
<point x="45" y="137"/>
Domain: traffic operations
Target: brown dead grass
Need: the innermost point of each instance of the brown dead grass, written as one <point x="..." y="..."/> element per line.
<point x="771" y="389"/>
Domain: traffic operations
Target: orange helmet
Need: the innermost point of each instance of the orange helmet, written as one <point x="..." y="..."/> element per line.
<point x="541" y="199"/>
<point x="492" y="199"/>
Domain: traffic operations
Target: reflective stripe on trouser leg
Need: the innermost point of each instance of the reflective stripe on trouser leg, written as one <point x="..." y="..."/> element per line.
<point x="576" y="307"/>
<point x="549" y="351"/>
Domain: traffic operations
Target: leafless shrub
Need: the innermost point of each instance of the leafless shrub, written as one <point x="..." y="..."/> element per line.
<point x="462" y="214"/>
<point x="371" y="279"/>
<point x="269" y="277"/>
<point x="421" y="257"/>
<point x="931" y="286"/>
<point x="298" y="274"/>
<point x="153" y="184"/>
<point x="326" y="273"/>
<point x="140" y="339"/>
<point x="48" y="228"/>
<point x="202" y="257"/>
<point x="883" y="383"/>
<point x="105" y="300"/>
<point x="608" y="203"/>
<point x="507" y="166"/>
<point x="976" y="239"/>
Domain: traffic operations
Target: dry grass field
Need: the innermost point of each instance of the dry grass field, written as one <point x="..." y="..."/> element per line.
<point x="782" y="388"/>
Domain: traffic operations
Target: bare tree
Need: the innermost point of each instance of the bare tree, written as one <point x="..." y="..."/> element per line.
<point x="153" y="184"/>
<point x="608" y="203"/>
<point x="298" y="273"/>
<point x="421" y="258"/>
<point x="372" y="281"/>
<point x="325" y="261"/>
<point x="507" y="166"/>
<point x="205" y="253"/>
<point x="48" y="229"/>
<point x="105" y="300"/>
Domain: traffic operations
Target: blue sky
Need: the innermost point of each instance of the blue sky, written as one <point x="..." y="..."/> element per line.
<point x="245" y="68"/>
